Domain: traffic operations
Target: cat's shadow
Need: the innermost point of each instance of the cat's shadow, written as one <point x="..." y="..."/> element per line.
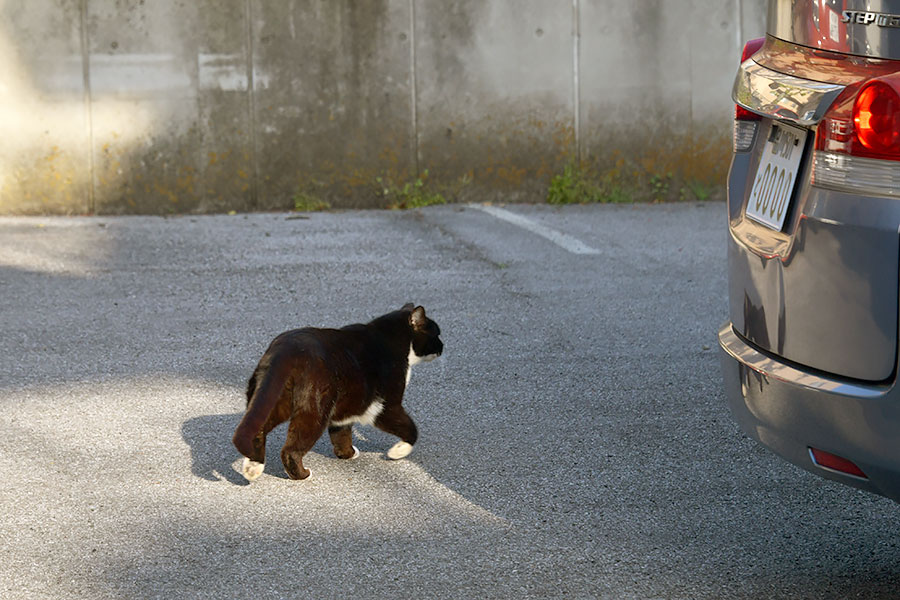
<point x="214" y="458"/>
<point x="212" y="454"/>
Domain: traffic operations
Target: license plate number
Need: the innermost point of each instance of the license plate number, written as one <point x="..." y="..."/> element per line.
<point x="776" y="176"/>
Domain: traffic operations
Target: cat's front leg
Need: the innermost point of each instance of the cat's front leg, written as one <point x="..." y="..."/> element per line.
<point x="342" y="440"/>
<point x="395" y="421"/>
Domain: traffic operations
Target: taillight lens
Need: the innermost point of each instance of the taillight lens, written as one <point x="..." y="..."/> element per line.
<point x="858" y="141"/>
<point x="876" y="118"/>
<point x="750" y="48"/>
<point x="864" y="120"/>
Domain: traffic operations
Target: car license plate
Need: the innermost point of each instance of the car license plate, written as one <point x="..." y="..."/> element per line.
<point x="776" y="176"/>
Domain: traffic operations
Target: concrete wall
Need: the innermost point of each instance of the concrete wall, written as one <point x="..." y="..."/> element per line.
<point x="158" y="106"/>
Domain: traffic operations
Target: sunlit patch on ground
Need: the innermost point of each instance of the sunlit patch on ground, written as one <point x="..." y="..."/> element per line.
<point x="147" y="460"/>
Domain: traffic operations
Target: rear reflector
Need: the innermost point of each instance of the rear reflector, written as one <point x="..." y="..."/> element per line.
<point x="835" y="463"/>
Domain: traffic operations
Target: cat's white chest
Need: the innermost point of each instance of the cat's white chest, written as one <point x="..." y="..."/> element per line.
<point x="414" y="359"/>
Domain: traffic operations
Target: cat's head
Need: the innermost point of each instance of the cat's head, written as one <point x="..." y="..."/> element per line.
<point x="426" y="341"/>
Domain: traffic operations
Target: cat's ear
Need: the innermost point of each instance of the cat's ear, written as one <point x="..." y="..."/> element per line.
<point x="417" y="318"/>
<point x="408" y="306"/>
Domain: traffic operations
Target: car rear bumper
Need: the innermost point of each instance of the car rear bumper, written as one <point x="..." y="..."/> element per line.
<point x="790" y="410"/>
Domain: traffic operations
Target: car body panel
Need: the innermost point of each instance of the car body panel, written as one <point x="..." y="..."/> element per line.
<point x="846" y="26"/>
<point x="823" y="291"/>
<point x="790" y="410"/>
<point x="815" y="64"/>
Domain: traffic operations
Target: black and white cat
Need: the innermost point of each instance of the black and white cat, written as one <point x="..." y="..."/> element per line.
<point x="333" y="378"/>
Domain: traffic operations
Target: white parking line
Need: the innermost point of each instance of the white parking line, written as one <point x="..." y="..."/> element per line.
<point x="563" y="240"/>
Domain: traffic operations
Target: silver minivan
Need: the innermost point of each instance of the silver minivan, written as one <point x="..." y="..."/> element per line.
<point x="809" y="354"/>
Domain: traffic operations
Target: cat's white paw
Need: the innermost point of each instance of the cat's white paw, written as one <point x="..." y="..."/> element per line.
<point x="399" y="450"/>
<point x="355" y="453"/>
<point x="251" y="469"/>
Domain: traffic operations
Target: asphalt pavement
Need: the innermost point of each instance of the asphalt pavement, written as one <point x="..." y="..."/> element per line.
<point x="574" y="437"/>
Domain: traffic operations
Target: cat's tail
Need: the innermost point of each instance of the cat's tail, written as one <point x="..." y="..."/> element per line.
<point x="269" y="387"/>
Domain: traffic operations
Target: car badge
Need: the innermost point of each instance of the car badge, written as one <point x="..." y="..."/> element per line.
<point x="862" y="17"/>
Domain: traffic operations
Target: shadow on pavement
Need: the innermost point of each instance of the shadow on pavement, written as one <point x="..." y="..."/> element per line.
<point x="214" y="458"/>
<point x="212" y="454"/>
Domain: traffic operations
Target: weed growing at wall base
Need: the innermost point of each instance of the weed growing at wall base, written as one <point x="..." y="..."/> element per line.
<point x="659" y="186"/>
<point x="700" y="190"/>
<point x="568" y="188"/>
<point x="576" y="186"/>
<point x="415" y="194"/>
<point x="305" y="203"/>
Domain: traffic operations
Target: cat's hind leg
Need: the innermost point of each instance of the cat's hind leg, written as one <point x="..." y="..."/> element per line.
<point x="251" y="470"/>
<point x="253" y="465"/>
<point x="342" y="440"/>
<point x="305" y="428"/>
<point x="395" y="421"/>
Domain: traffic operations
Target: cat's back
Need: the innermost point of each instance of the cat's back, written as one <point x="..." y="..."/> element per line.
<point x="316" y="342"/>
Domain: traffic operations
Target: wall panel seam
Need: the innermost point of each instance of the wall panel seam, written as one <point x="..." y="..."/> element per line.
<point x="251" y="107"/>
<point x="413" y="93"/>
<point x="88" y="103"/>
<point x="576" y="79"/>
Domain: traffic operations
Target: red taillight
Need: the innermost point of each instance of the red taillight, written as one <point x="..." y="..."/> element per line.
<point x="750" y="48"/>
<point x="864" y="120"/>
<point x="876" y="117"/>
<point x="835" y="463"/>
<point x="742" y="114"/>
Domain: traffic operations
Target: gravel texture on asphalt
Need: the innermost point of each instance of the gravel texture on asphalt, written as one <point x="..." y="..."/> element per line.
<point x="574" y="437"/>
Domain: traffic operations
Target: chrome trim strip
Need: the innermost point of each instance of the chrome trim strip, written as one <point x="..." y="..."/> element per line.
<point x="768" y="367"/>
<point x="780" y="96"/>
